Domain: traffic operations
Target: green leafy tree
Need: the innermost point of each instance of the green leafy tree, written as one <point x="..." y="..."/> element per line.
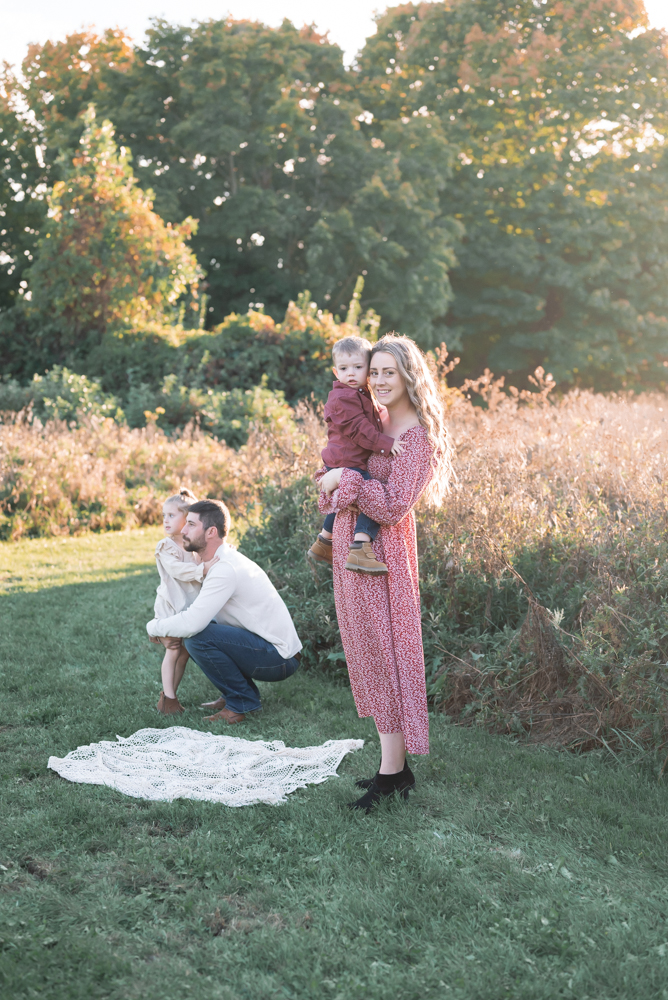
<point x="106" y="263"/>
<point x="558" y="110"/>
<point x="22" y="194"/>
<point x="39" y="121"/>
<point x="259" y="134"/>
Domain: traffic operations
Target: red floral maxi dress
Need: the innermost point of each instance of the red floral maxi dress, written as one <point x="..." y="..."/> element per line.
<point x="379" y="616"/>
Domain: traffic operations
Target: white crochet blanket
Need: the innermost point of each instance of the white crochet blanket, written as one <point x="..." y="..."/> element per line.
<point x="181" y="763"/>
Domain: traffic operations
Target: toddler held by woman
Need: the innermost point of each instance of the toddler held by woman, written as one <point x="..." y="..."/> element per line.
<point x="354" y="432"/>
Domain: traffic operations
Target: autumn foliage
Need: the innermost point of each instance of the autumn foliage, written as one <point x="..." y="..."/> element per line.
<point x="106" y="261"/>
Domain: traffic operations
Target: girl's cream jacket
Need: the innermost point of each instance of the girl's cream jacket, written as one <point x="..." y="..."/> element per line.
<point x="180" y="578"/>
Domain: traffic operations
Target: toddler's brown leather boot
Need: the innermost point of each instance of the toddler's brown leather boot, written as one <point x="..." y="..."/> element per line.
<point x="362" y="560"/>
<point x="320" y="551"/>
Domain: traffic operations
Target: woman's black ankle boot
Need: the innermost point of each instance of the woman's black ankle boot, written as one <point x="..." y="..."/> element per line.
<point x="384" y="786"/>
<point x="368" y="782"/>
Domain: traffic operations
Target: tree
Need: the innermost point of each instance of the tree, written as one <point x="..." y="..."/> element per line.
<point x="258" y="133"/>
<point x="40" y="120"/>
<point x="22" y="195"/>
<point x="558" y="111"/>
<point x="105" y="261"/>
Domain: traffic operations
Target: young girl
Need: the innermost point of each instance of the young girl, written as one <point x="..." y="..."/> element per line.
<point x="180" y="581"/>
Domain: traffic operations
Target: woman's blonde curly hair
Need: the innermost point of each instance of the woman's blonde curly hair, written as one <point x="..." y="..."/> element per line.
<point x="425" y="397"/>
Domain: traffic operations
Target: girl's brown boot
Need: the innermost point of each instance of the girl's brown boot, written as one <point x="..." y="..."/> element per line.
<point x="169" y="706"/>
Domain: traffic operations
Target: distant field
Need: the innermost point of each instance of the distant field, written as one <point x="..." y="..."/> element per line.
<point x="514" y="871"/>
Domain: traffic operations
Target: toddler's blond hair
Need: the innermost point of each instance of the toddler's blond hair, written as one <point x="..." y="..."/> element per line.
<point x="351" y="345"/>
<point x="182" y="500"/>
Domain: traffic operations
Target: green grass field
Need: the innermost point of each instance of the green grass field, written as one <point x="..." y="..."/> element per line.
<point x="513" y="871"/>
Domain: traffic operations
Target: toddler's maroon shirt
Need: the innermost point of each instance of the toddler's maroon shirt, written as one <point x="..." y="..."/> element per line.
<point x="354" y="428"/>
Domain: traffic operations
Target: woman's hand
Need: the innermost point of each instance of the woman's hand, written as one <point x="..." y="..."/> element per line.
<point x="330" y="481"/>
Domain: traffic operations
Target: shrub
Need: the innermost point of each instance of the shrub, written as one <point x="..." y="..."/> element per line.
<point x="294" y="356"/>
<point x="223" y="380"/>
<point x="59" y="395"/>
<point x="143" y="354"/>
<point x="227" y="416"/>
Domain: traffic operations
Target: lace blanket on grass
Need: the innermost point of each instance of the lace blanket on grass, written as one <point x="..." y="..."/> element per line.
<point x="181" y="763"/>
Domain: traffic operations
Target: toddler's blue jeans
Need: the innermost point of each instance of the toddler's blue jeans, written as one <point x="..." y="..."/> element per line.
<point x="363" y="523"/>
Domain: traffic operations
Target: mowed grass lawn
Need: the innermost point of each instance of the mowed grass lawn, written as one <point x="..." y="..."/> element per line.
<point x="513" y="871"/>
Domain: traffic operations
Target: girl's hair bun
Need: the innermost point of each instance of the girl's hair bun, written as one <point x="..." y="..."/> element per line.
<point x="183" y="499"/>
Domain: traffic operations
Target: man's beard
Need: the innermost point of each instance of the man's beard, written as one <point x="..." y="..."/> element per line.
<point x="191" y="546"/>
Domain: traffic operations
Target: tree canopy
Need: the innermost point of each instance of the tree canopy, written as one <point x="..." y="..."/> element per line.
<point x="496" y="171"/>
<point x="558" y="112"/>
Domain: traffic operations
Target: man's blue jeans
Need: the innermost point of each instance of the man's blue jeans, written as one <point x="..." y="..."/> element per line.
<point x="233" y="659"/>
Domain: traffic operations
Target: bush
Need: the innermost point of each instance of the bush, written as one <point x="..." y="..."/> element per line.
<point x="288" y="524"/>
<point x="227" y="416"/>
<point x="294" y="356"/>
<point x="60" y="394"/>
<point x="141" y="355"/>
<point x="223" y="380"/>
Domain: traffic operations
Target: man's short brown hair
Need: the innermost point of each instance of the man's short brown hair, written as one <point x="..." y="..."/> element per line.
<point x="212" y="514"/>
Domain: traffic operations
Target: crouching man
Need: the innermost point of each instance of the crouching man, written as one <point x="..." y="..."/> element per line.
<point x="237" y="630"/>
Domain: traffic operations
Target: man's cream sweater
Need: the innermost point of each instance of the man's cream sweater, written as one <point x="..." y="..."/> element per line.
<point x="236" y="592"/>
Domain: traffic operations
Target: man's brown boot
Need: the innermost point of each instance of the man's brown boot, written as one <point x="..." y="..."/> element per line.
<point x="320" y="551"/>
<point x="225" y="715"/>
<point x="215" y="705"/>
<point x="362" y="560"/>
<point x="169" y="706"/>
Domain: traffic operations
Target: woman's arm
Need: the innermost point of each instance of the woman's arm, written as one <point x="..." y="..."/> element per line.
<point x="388" y="503"/>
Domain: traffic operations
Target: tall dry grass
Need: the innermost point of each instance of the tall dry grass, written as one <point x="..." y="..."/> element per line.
<point x="529" y="467"/>
<point x="57" y="479"/>
<point x="552" y="552"/>
<point x="544" y="574"/>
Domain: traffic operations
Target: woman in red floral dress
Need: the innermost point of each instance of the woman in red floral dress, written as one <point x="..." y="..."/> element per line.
<point x="379" y="616"/>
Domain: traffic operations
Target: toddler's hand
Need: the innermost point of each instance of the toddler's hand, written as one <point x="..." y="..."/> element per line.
<point x="330" y="481"/>
<point x="397" y="448"/>
<point x="208" y="564"/>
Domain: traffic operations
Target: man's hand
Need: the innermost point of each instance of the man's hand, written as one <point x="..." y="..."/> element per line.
<point x="154" y="638"/>
<point x="397" y="448"/>
<point x="209" y="563"/>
